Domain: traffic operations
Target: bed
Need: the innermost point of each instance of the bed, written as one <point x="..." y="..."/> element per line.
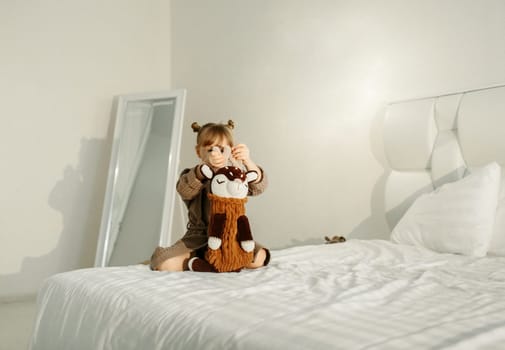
<point x="360" y="294"/>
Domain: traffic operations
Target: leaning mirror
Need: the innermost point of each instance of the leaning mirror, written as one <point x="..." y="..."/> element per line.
<point x="140" y="193"/>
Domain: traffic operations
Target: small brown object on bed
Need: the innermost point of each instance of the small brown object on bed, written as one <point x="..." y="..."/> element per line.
<point x="334" y="239"/>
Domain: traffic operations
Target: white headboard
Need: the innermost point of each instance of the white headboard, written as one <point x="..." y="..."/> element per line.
<point x="431" y="141"/>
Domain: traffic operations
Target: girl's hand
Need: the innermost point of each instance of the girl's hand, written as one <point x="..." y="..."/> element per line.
<point x="241" y="152"/>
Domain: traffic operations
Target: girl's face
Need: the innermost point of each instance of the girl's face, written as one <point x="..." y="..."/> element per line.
<point x="203" y="151"/>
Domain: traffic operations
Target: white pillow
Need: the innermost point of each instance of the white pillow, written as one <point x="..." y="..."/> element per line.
<point x="458" y="217"/>
<point x="497" y="246"/>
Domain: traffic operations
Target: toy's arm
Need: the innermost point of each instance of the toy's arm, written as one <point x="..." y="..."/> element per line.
<point x="216" y="229"/>
<point x="244" y="235"/>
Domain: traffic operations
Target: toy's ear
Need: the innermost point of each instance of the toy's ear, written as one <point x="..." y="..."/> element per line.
<point x="251" y="176"/>
<point x="206" y="171"/>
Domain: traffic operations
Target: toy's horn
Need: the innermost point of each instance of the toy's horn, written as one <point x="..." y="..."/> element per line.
<point x="227" y="152"/>
<point x="233" y="161"/>
<point x="230" y="159"/>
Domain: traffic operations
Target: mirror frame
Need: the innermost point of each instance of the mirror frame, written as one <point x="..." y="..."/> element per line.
<point x="172" y="168"/>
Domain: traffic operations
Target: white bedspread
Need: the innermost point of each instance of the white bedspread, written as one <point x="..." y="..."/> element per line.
<point x="355" y="295"/>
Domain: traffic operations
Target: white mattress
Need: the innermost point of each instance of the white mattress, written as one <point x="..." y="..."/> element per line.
<point x="355" y="295"/>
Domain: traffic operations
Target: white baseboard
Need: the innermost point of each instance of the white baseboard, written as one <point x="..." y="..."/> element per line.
<point x="19" y="298"/>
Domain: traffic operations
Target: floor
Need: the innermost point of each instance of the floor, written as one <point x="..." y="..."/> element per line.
<point x="16" y="322"/>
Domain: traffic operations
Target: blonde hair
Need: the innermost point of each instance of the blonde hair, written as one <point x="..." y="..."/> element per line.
<point x="210" y="132"/>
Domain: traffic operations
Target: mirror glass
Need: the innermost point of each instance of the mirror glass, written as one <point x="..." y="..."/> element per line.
<point x="140" y="193"/>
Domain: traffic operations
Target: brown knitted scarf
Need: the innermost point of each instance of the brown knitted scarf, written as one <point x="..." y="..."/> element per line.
<point x="230" y="257"/>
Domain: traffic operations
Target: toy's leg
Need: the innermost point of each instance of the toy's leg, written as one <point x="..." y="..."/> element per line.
<point x="244" y="235"/>
<point x="200" y="265"/>
<point x="216" y="228"/>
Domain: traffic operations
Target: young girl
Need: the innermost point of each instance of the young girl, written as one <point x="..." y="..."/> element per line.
<point x="193" y="188"/>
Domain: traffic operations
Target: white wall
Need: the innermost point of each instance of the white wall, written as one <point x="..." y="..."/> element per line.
<point x="306" y="82"/>
<point x="61" y="63"/>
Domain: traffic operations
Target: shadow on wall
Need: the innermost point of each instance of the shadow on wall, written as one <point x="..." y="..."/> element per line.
<point x="79" y="197"/>
<point x="376" y="225"/>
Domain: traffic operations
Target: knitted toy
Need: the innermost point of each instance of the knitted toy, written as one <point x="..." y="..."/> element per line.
<point x="334" y="239"/>
<point x="230" y="242"/>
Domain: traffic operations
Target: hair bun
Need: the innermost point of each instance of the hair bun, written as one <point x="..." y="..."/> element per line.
<point x="231" y="124"/>
<point x="195" y="126"/>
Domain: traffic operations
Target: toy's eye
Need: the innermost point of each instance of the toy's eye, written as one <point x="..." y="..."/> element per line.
<point x="220" y="181"/>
